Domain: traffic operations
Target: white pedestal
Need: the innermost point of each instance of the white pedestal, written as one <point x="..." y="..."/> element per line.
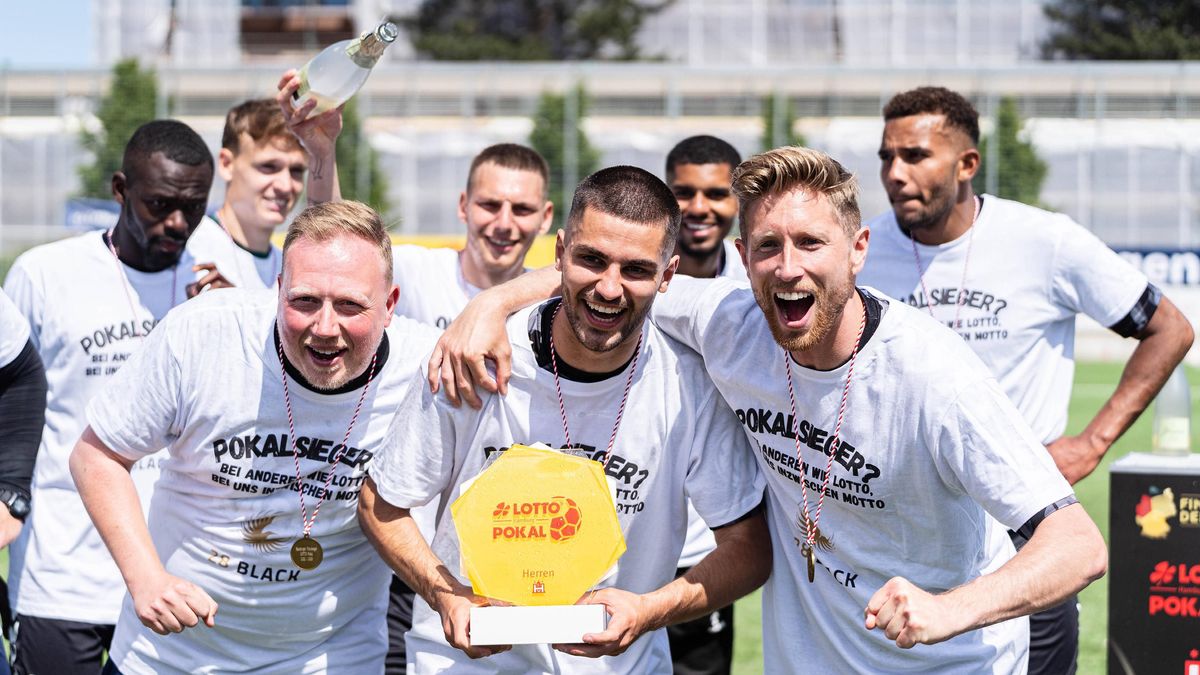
<point x="554" y="624"/>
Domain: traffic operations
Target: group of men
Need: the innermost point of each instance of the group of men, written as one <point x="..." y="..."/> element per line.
<point x="887" y="457"/>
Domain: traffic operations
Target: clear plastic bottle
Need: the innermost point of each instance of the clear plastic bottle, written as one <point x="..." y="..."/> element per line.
<point x="1173" y="416"/>
<point x="340" y="70"/>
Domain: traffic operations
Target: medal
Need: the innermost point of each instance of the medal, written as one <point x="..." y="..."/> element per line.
<point x="807" y="525"/>
<point x="307" y="553"/>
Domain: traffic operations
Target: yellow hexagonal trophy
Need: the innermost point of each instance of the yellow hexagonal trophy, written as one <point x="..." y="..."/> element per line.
<point x="536" y="528"/>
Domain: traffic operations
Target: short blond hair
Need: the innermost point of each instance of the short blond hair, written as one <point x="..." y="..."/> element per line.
<point x="322" y="222"/>
<point x="792" y="167"/>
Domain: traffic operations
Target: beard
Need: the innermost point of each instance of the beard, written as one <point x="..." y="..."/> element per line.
<point x="828" y="305"/>
<point x="598" y="341"/>
<point x="936" y="209"/>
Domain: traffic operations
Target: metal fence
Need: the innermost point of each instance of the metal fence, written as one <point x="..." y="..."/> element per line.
<point x="1121" y="141"/>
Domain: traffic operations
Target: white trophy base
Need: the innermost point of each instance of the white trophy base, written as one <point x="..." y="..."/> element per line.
<point x="551" y="624"/>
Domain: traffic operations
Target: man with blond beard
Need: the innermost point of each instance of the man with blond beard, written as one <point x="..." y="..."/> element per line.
<point x="891" y="454"/>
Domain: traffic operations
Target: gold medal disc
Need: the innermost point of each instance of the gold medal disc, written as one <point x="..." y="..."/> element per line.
<point x="307" y="553"/>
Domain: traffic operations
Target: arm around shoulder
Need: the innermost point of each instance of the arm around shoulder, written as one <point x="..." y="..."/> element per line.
<point x="459" y="362"/>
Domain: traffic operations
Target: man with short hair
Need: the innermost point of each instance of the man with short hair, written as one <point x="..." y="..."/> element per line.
<point x="1014" y="300"/>
<point x="271" y="406"/>
<point x="505" y="209"/>
<point x="90" y="302"/>
<point x="629" y="397"/>
<point x="889" y="450"/>
<point x="263" y="166"/>
<point x="699" y="172"/>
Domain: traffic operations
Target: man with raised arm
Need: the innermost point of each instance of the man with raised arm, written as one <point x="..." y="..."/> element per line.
<point x="894" y="462"/>
<point x="271" y="405"/>
<point x="629" y="397"/>
<point x="1010" y="280"/>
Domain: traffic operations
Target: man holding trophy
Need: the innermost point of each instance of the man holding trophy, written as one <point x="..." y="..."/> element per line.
<point x="590" y="374"/>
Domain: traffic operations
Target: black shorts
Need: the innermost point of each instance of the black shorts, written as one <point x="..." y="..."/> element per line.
<point x="1054" y="639"/>
<point x="703" y="645"/>
<point x="62" y="647"/>
<point x="399" y="620"/>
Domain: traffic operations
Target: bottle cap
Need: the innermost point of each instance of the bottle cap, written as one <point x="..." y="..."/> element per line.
<point x="387" y="31"/>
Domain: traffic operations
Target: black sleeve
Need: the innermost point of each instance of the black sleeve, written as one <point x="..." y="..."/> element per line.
<point x="1022" y="536"/>
<point x="1134" y="323"/>
<point x="22" y="417"/>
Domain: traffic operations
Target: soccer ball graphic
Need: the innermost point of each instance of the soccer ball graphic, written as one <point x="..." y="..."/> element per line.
<point x="566" y="524"/>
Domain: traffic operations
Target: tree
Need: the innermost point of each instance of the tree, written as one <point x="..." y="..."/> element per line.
<point x="1020" y="172"/>
<point x="779" y="123"/>
<point x="530" y="30"/>
<point x="359" y="175"/>
<point x="554" y="126"/>
<point x="130" y="103"/>
<point x="1123" y="29"/>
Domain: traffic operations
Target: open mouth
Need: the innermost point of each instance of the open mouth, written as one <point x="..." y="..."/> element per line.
<point x="698" y="227"/>
<point x="793" y="306"/>
<point x="603" y="316"/>
<point x="324" y="357"/>
<point x="501" y="245"/>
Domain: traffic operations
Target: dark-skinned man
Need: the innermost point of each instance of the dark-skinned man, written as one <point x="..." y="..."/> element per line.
<point x="699" y="172"/>
<point x="893" y="461"/>
<point x="90" y="302"/>
<point x="1010" y="280"/>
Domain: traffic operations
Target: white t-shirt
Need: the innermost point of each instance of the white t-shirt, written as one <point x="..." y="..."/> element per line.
<point x="211" y="243"/>
<point x="1029" y="273"/>
<point x="432" y="287"/>
<point x="732" y="267"/>
<point x="86" y="321"/>
<point x="207" y="385"/>
<point x="930" y="447"/>
<point x="699" y="541"/>
<point x="678" y="439"/>
<point x="14" y="331"/>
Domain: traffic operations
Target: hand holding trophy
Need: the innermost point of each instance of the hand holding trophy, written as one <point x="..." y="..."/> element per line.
<point x="537" y="529"/>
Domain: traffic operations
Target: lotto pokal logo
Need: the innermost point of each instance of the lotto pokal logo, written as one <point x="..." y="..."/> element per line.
<point x="557" y="519"/>
<point x="1174" y="590"/>
<point x="1164" y="573"/>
